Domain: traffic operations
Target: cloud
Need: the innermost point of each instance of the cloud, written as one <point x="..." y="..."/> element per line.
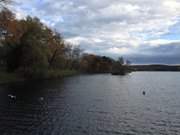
<point x="115" y="50"/>
<point x="132" y="28"/>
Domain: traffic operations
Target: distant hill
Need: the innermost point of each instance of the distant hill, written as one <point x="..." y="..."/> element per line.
<point x="155" y="67"/>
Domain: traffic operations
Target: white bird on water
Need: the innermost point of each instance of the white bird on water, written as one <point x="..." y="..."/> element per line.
<point x="12" y="96"/>
<point x="41" y="98"/>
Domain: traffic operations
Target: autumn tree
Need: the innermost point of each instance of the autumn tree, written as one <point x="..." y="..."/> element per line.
<point x="9" y="32"/>
<point x="76" y="55"/>
<point x="56" y="45"/>
<point x="32" y="49"/>
<point x="28" y="53"/>
<point x="95" y="64"/>
<point x="120" y="67"/>
<point x="6" y="20"/>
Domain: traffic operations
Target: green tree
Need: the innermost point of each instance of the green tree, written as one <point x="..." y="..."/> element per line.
<point x="30" y="54"/>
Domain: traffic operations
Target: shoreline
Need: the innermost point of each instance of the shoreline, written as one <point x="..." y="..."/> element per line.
<point x="6" y="77"/>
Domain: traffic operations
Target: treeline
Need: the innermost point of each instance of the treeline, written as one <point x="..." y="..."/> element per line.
<point x="33" y="50"/>
<point x="155" y="67"/>
<point x="101" y="64"/>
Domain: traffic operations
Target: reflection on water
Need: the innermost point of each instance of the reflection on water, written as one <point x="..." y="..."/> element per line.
<point x="94" y="105"/>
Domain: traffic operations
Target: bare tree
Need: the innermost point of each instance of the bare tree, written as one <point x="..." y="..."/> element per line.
<point x="121" y="60"/>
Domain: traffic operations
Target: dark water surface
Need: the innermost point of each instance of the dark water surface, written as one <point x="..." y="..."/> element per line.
<point x="93" y="105"/>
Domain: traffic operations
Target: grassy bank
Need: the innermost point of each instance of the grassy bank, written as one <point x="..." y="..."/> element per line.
<point x="6" y="77"/>
<point x="9" y="77"/>
<point x="53" y="74"/>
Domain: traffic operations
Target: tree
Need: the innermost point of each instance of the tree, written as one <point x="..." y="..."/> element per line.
<point x="57" y="50"/>
<point x="120" y="68"/>
<point x="29" y="54"/>
<point x="96" y="64"/>
<point x="9" y="33"/>
<point x="11" y="29"/>
<point x="75" y="59"/>
<point x="30" y="48"/>
<point x="128" y="62"/>
<point x="121" y="60"/>
<point x="6" y="18"/>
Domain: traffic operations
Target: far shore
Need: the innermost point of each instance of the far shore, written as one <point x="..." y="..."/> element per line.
<point x="155" y="67"/>
<point x="6" y="77"/>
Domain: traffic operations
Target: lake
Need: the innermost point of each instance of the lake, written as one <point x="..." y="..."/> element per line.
<point x="93" y="105"/>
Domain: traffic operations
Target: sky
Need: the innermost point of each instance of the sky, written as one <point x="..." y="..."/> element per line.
<point x="143" y="31"/>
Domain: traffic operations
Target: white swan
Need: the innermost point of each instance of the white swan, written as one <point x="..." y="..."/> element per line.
<point x="41" y="98"/>
<point x="12" y="96"/>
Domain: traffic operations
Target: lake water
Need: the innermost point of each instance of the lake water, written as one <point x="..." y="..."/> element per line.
<point x="93" y="105"/>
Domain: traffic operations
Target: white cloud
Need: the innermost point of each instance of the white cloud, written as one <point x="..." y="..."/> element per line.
<point x="115" y="26"/>
<point x="115" y="50"/>
<point x="160" y="42"/>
